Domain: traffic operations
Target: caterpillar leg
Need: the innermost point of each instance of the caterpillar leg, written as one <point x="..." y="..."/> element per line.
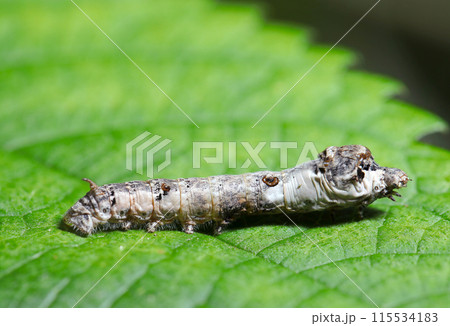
<point x="333" y="216"/>
<point x="361" y="212"/>
<point x="152" y="226"/>
<point x="125" y="226"/>
<point x="188" y="227"/>
<point x="219" y="227"/>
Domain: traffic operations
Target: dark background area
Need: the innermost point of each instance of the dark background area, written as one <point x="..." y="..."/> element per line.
<point x="408" y="40"/>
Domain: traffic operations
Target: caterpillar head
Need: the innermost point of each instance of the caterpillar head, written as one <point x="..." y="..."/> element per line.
<point x="89" y="211"/>
<point x="352" y="172"/>
<point x="393" y="179"/>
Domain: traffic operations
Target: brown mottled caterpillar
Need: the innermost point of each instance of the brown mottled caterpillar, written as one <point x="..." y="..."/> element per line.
<point x="340" y="177"/>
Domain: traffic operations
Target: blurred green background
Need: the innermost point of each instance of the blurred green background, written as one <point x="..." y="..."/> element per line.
<point x="405" y="39"/>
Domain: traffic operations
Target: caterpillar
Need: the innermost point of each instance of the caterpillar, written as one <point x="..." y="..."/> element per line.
<point x="340" y="177"/>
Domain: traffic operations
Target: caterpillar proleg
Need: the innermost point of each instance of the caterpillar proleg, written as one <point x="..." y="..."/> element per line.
<point x="340" y="177"/>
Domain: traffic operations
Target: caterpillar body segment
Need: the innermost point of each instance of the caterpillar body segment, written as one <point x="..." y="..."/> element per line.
<point x="340" y="177"/>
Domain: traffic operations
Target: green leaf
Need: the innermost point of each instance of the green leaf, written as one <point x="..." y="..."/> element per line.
<point x="70" y="101"/>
